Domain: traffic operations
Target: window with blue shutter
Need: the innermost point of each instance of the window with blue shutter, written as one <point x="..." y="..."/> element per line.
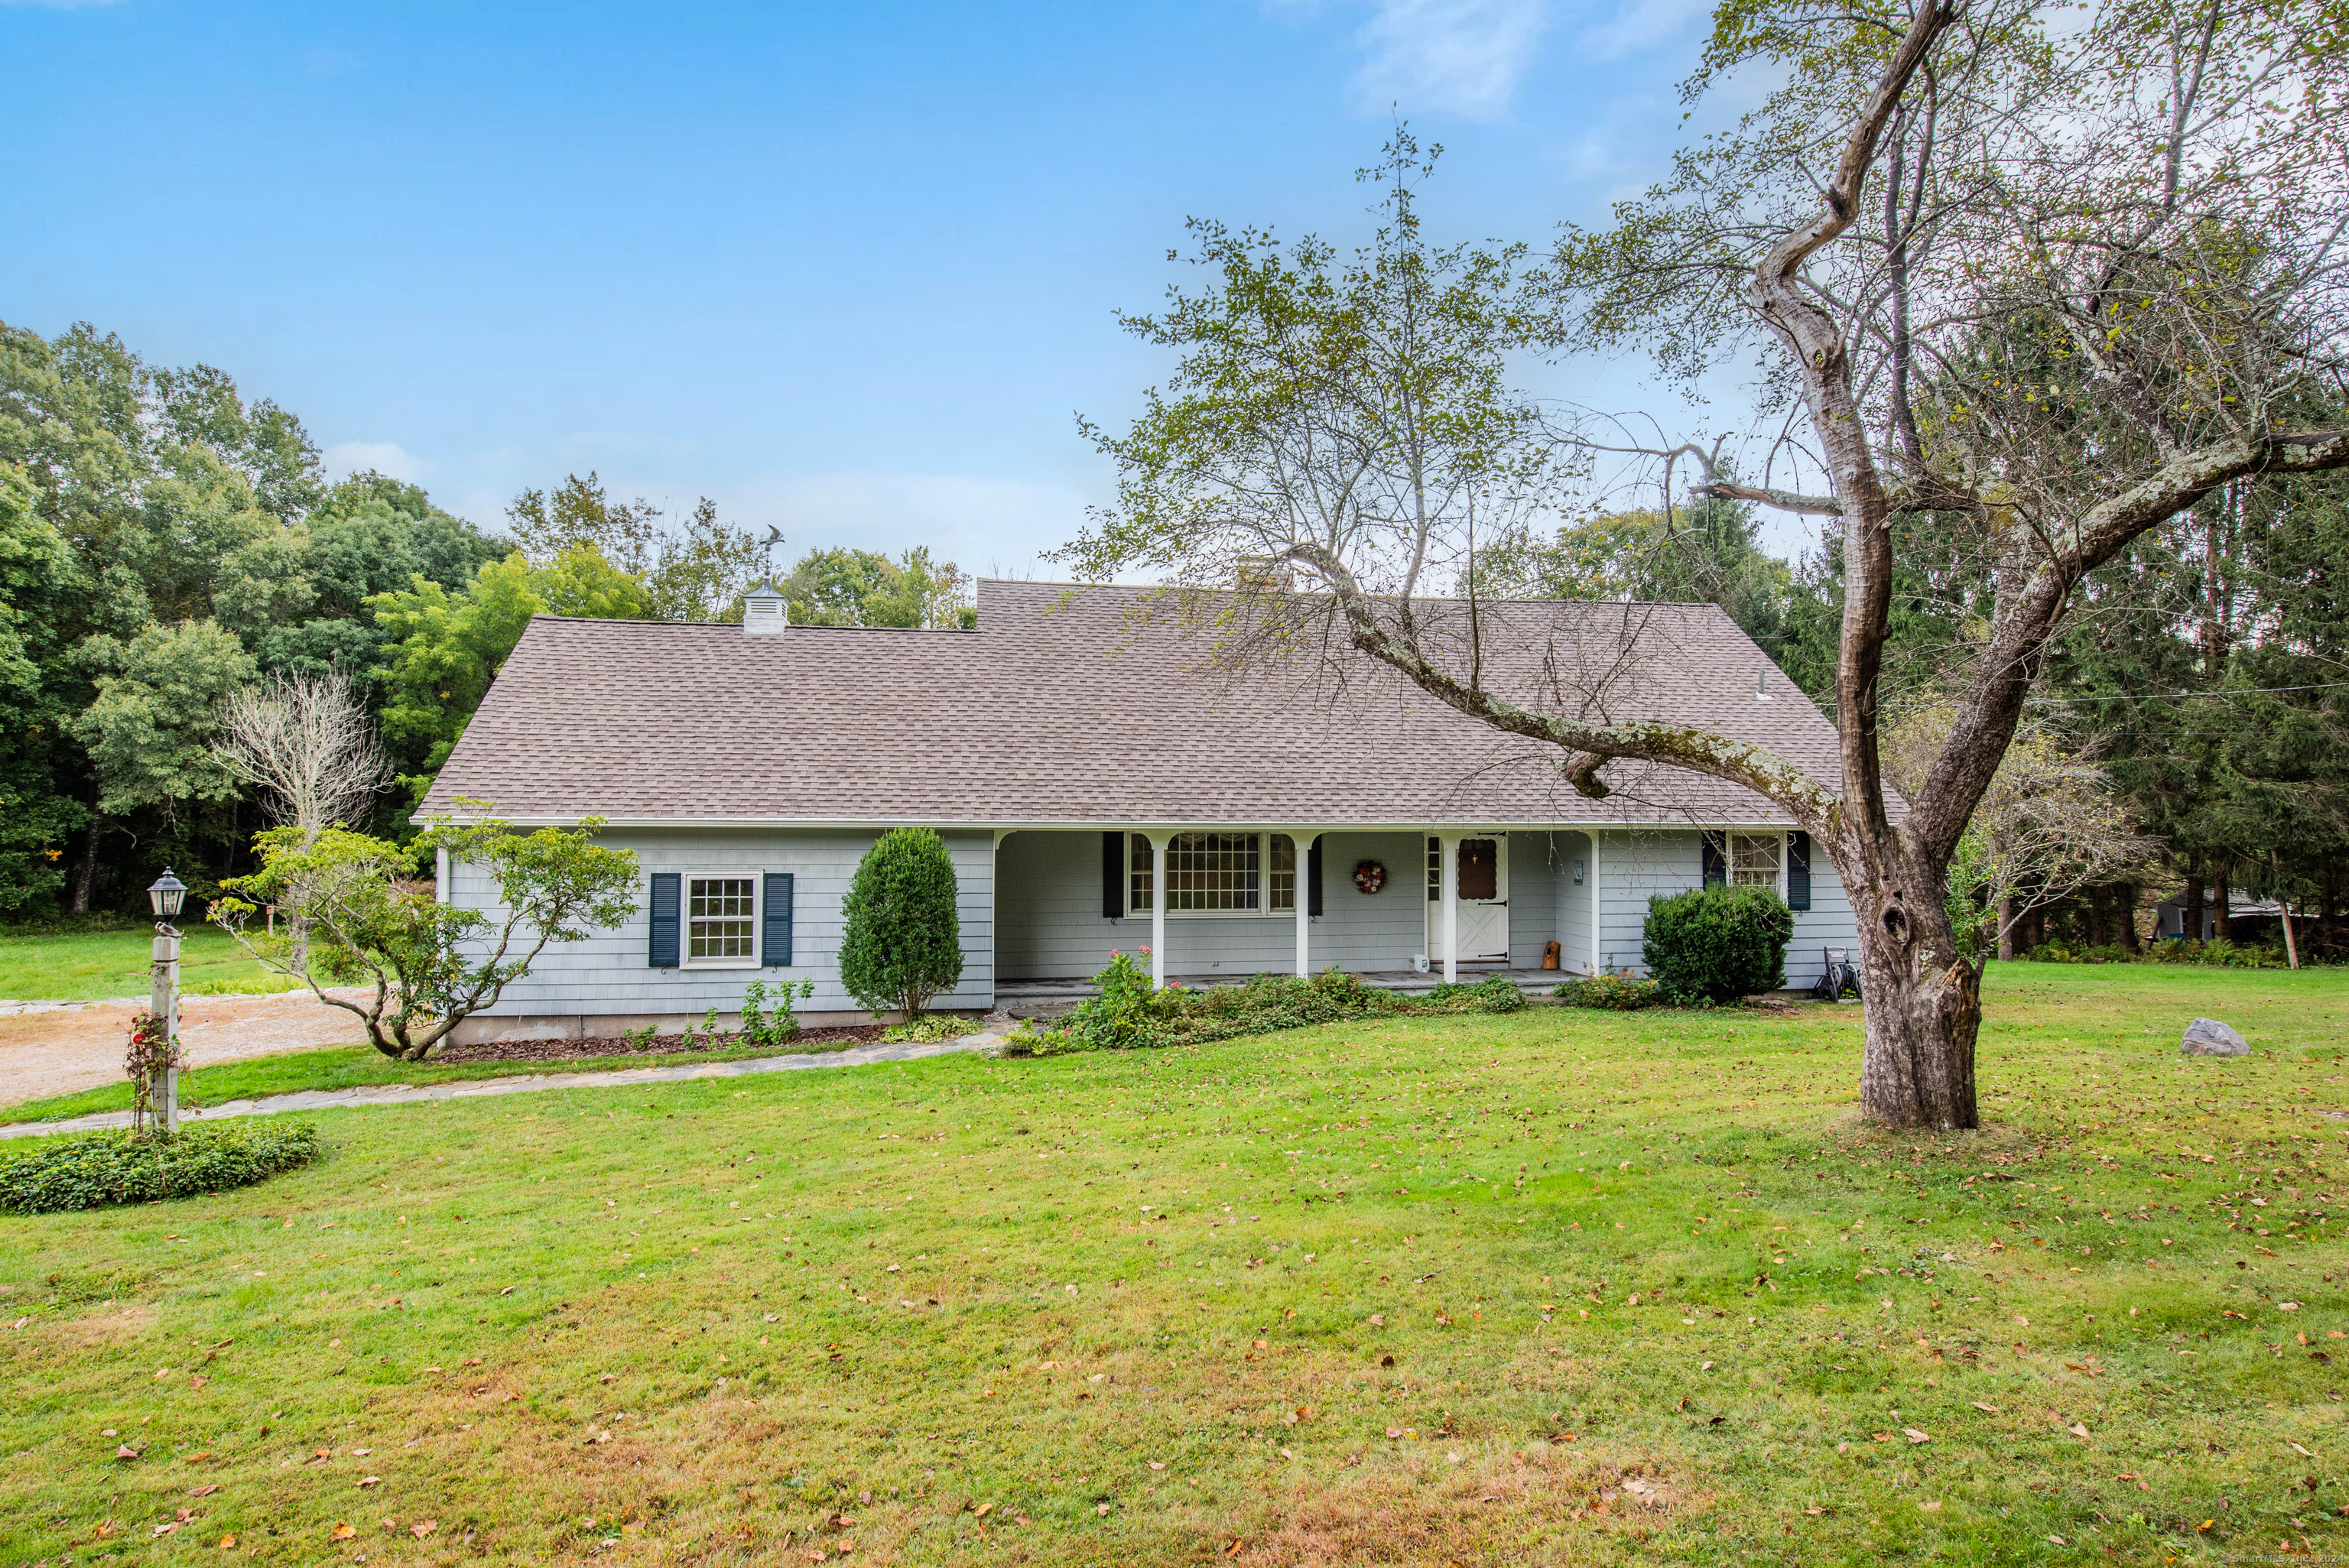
<point x="775" y="921"/>
<point x="1798" y="870"/>
<point x="667" y="891"/>
<point x="1716" y="859"/>
<point x="1313" y="877"/>
<point x="1113" y="875"/>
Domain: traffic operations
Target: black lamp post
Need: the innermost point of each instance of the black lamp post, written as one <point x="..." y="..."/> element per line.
<point x="167" y="895"/>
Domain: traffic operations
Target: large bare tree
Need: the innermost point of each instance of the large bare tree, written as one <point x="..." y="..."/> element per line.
<point x="2047" y="275"/>
<point x="305" y="743"/>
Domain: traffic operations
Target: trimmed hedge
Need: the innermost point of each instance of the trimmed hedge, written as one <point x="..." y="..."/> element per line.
<point x="1717" y="944"/>
<point x="91" y="1170"/>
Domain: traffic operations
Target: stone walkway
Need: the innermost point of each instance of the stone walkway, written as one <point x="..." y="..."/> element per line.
<point x="529" y="1083"/>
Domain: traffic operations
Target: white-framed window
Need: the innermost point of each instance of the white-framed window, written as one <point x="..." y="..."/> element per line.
<point x="1758" y="860"/>
<point x="721" y="920"/>
<point x="1281" y="873"/>
<point x="1216" y="874"/>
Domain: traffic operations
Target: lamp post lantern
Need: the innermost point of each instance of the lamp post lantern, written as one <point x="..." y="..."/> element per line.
<point x="166" y="895"/>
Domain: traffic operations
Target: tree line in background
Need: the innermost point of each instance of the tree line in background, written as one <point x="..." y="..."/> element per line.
<point x="171" y="554"/>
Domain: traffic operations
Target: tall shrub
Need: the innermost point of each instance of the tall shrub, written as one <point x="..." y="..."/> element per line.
<point x="903" y="943"/>
<point x="1718" y="943"/>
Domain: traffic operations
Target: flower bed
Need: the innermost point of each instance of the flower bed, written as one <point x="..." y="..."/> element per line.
<point x="1128" y="1014"/>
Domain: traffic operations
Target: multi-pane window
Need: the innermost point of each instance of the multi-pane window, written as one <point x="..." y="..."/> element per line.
<point x="1434" y="870"/>
<point x="1212" y="872"/>
<point x="1754" y="859"/>
<point x="1280" y="872"/>
<point x="720" y="919"/>
<point x="1215" y="873"/>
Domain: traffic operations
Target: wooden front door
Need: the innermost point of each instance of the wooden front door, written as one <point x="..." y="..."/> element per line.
<point x="1484" y="904"/>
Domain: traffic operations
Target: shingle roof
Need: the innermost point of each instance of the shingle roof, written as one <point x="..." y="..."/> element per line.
<point x="1089" y="705"/>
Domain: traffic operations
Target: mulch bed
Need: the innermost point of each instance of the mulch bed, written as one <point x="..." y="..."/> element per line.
<point x="659" y="1044"/>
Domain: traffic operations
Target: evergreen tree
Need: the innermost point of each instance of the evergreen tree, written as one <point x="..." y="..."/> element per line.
<point x="903" y="941"/>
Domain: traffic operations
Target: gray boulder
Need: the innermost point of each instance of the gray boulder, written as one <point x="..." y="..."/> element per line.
<point x="2210" y="1038"/>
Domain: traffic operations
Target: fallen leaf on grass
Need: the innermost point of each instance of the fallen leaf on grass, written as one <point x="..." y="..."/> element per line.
<point x="984" y="1509"/>
<point x="227" y="1541"/>
<point x="126" y="1452"/>
<point x="206" y="1490"/>
<point x="2077" y="1429"/>
<point x="2298" y="1450"/>
<point x="1992" y="1409"/>
<point x="1914" y="1436"/>
<point x="368" y="1481"/>
<point x="341" y="1532"/>
<point x="423" y="1527"/>
<point x="1156" y="1464"/>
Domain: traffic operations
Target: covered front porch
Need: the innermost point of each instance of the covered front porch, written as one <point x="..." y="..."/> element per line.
<point x="1410" y="906"/>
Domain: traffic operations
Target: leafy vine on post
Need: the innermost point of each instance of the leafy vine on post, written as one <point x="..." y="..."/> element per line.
<point x="372" y="920"/>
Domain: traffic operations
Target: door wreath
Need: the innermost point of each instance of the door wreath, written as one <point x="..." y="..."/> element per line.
<point x="1370" y="876"/>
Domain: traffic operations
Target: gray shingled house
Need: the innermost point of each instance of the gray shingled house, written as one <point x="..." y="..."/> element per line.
<point x="1081" y="755"/>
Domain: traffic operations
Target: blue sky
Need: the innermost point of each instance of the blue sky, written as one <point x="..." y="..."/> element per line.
<point x="849" y="269"/>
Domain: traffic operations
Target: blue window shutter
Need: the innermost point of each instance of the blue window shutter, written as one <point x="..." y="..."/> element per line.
<point x="1313" y="877"/>
<point x="667" y="890"/>
<point x="775" y="921"/>
<point x="1798" y="870"/>
<point x="1716" y="859"/>
<point x="1113" y="876"/>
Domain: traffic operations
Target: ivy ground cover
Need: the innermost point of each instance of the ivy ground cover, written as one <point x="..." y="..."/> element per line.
<point x="1554" y="1286"/>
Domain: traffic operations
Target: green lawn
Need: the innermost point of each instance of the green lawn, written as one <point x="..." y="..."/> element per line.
<point x="1064" y="1311"/>
<point x="92" y="966"/>
<point x="349" y="1067"/>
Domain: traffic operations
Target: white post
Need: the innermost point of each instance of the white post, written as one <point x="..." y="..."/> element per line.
<point x="440" y="875"/>
<point x="163" y="1005"/>
<point x="1595" y="905"/>
<point x="1449" y="847"/>
<point x="1303" y="843"/>
<point x="1158" y="911"/>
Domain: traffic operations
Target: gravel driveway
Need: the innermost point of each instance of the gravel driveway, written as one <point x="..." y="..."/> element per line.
<point x="61" y="1047"/>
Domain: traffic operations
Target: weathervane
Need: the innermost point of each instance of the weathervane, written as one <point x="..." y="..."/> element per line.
<point x="774" y="537"/>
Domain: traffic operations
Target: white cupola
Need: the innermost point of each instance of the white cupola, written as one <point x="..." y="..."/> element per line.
<point x="764" y="612"/>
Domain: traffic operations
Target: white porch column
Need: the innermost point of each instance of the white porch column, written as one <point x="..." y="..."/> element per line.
<point x="1302" y="841"/>
<point x="1595" y="903"/>
<point x="1157" y="910"/>
<point x="1450" y="848"/>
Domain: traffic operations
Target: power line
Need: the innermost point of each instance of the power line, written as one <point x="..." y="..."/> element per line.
<point x="2153" y="695"/>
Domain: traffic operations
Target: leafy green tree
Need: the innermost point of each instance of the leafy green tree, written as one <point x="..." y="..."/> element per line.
<point x="442" y="651"/>
<point x="862" y="588"/>
<point x="38" y="579"/>
<point x="151" y="728"/>
<point x="902" y="944"/>
<point x="696" y="573"/>
<point x="428" y="966"/>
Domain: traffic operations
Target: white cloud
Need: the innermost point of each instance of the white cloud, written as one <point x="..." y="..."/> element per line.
<point x="1460" y="56"/>
<point x="345" y="458"/>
